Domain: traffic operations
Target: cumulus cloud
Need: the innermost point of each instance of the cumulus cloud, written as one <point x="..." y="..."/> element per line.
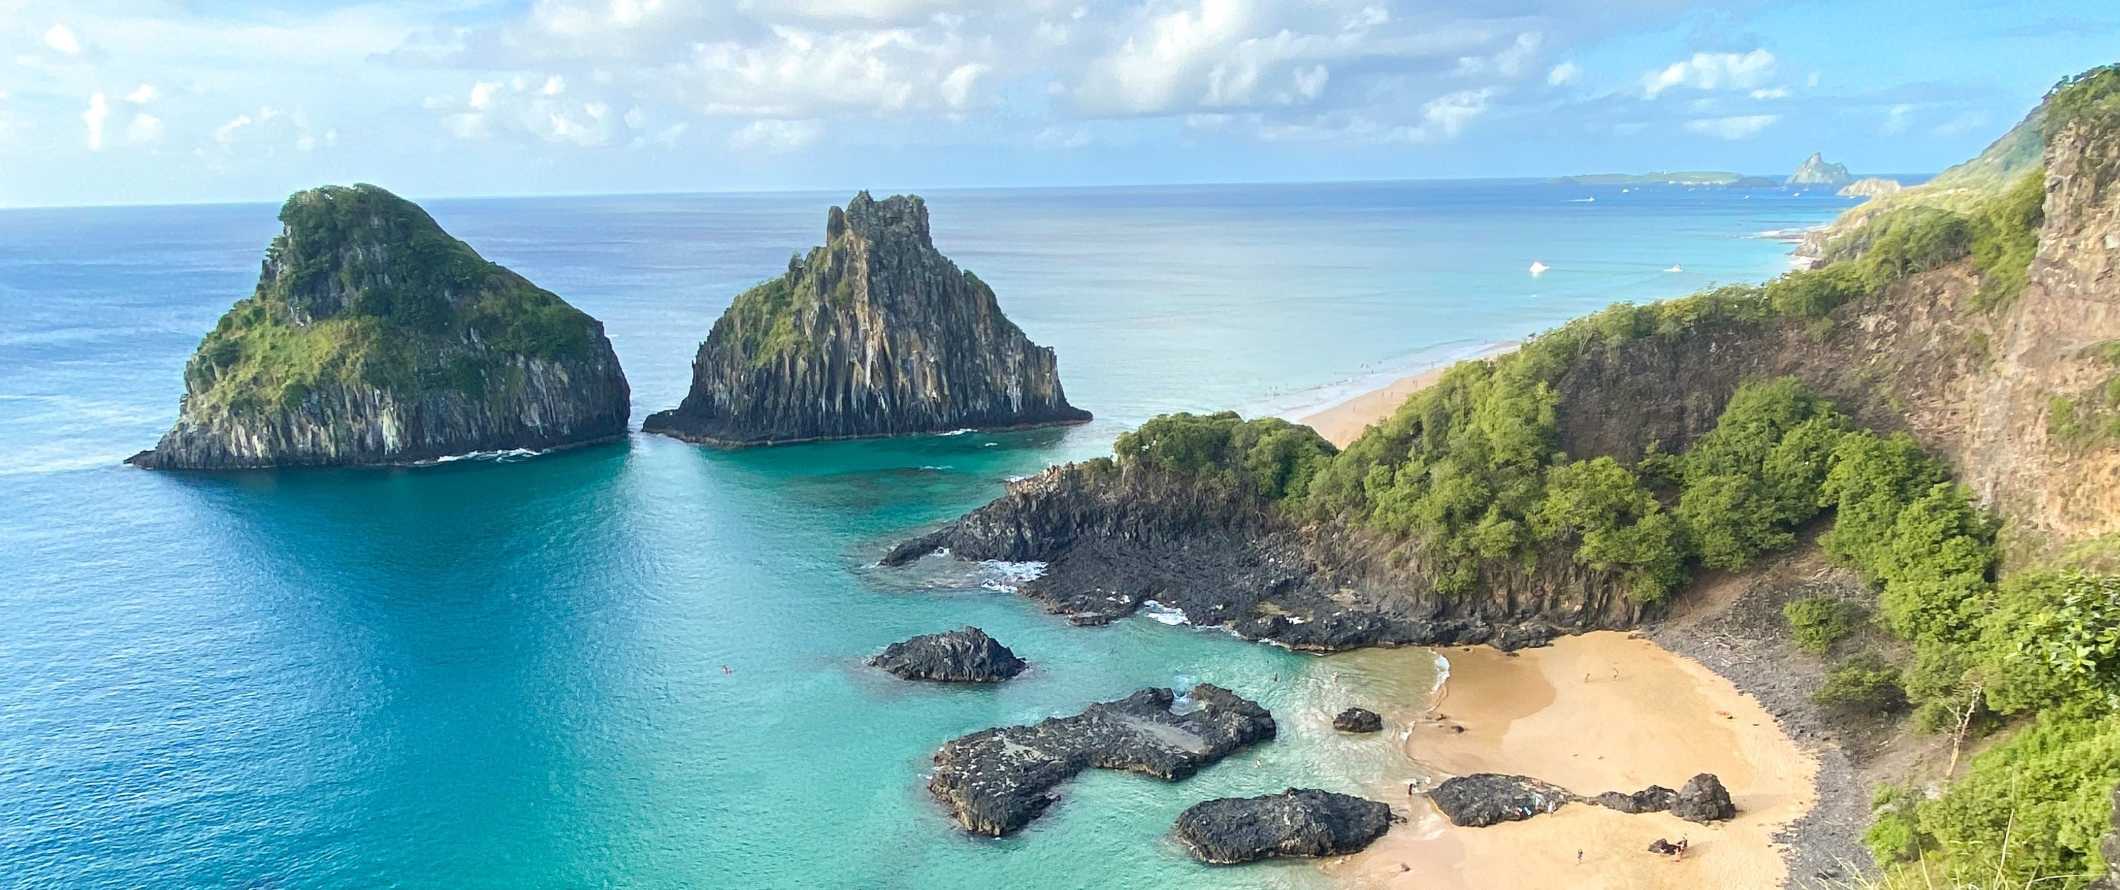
<point x="144" y="129"/>
<point x="98" y="112"/>
<point x="775" y="136"/>
<point x="1737" y="127"/>
<point x="1712" y="71"/>
<point x="1444" y="117"/>
<point x="1563" y="74"/>
<point x="143" y="94"/>
<point x="62" y="40"/>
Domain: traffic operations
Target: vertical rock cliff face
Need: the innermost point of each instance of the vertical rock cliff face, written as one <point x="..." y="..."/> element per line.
<point x="374" y="337"/>
<point x="875" y="333"/>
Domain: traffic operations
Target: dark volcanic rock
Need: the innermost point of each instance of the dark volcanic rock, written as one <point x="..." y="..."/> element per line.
<point x="373" y="337"/>
<point x="1653" y="799"/>
<point x="1703" y="799"/>
<point x="958" y="656"/>
<point x="1483" y="799"/>
<point x="1114" y="536"/>
<point x="996" y="781"/>
<point x="875" y="333"/>
<point x="1299" y="822"/>
<point x="1358" y="720"/>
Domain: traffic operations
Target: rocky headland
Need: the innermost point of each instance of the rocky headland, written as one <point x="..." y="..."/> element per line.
<point x="996" y="781"/>
<point x="966" y="655"/>
<point x="1869" y="187"/>
<point x="873" y="333"/>
<point x="1297" y="823"/>
<point x="374" y="337"/>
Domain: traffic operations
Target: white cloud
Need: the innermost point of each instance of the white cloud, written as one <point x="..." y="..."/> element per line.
<point x="554" y="85"/>
<point x="1509" y="61"/>
<point x="62" y="40"/>
<point x="1896" y="119"/>
<point x="145" y="129"/>
<point x="482" y="94"/>
<point x="957" y="86"/>
<point x="225" y="134"/>
<point x="1563" y="74"/>
<point x="1062" y="138"/>
<point x="1446" y="116"/>
<point x="143" y="94"/>
<point x="1733" y="128"/>
<point x="1771" y="93"/>
<point x="775" y="136"/>
<point x="98" y="112"/>
<point x="1712" y="71"/>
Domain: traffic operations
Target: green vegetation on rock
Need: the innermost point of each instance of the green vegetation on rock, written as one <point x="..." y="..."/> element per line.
<point x="364" y="289"/>
<point x="1268" y="456"/>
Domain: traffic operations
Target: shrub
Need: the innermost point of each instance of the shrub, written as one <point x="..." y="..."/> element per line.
<point x="1267" y="456"/>
<point x="1862" y="685"/>
<point x="1817" y="622"/>
<point x="2032" y="806"/>
<point x="2053" y="638"/>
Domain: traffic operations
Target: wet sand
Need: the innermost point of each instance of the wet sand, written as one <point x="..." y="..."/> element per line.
<point x="1594" y="713"/>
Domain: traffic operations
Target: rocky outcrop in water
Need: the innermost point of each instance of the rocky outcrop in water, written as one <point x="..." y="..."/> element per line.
<point x="1297" y="823"/>
<point x="374" y="337"/>
<point x="1869" y="187"/>
<point x="1114" y="537"/>
<point x="1815" y="170"/>
<point x="996" y="781"/>
<point x="875" y="333"/>
<point x="1357" y="720"/>
<point x="1483" y="799"/>
<point x="967" y="655"/>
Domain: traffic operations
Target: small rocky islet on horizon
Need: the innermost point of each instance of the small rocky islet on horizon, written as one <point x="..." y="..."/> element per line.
<point x="1949" y="366"/>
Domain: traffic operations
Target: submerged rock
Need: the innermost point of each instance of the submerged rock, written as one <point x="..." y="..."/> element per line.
<point x="958" y="656"/>
<point x="996" y="781"/>
<point x="1299" y="822"/>
<point x="1483" y="799"/>
<point x="1358" y="720"/>
<point x="875" y="333"/>
<point x="374" y="337"/>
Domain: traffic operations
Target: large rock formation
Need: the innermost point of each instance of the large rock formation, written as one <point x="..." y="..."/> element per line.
<point x="374" y="337"/>
<point x="1114" y="537"/>
<point x="1815" y="170"/>
<point x="1869" y="187"/>
<point x="996" y="781"/>
<point x="1298" y="823"/>
<point x="875" y="333"/>
<point x="967" y="655"/>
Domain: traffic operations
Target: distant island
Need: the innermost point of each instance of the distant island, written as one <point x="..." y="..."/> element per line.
<point x="1816" y="170"/>
<point x="1717" y="178"/>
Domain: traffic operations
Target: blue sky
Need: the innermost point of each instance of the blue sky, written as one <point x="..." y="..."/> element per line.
<point x="151" y="101"/>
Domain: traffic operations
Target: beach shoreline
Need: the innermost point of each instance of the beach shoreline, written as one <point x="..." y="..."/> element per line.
<point x="1343" y="421"/>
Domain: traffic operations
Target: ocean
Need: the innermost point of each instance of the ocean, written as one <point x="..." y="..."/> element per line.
<point x="639" y="665"/>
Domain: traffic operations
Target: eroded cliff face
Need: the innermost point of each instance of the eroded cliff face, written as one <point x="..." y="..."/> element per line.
<point x="1116" y="538"/>
<point x="875" y="333"/>
<point x="375" y="338"/>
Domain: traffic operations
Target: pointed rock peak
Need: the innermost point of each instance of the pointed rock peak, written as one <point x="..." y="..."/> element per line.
<point x="894" y="218"/>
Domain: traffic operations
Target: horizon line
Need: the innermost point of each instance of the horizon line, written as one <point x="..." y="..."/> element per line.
<point x="240" y="202"/>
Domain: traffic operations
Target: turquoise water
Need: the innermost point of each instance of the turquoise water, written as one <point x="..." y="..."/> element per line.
<point x="639" y="664"/>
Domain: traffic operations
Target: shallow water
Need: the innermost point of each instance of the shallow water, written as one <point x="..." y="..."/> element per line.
<point x="639" y="664"/>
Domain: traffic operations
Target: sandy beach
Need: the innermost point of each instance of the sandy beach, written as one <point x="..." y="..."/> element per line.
<point x="1341" y="423"/>
<point x="1603" y="711"/>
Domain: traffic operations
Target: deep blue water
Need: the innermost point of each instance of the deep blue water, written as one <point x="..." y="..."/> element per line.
<point x="639" y="665"/>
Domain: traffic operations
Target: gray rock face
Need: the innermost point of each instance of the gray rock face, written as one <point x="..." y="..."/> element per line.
<point x="1299" y="822"/>
<point x="374" y="337"/>
<point x="1113" y="537"/>
<point x="996" y="781"/>
<point x="875" y="333"/>
<point x="1483" y="799"/>
<point x="1869" y="187"/>
<point x="1703" y="799"/>
<point x="1357" y="720"/>
<point x="959" y="656"/>
<point x="1815" y="170"/>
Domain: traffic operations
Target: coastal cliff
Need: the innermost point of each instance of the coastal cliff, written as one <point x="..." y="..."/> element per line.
<point x="874" y="333"/>
<point x="374" y="337"/>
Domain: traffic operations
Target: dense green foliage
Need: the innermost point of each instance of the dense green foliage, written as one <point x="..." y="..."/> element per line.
<point x="1862" y="685"/>
<point x="1749" y="483"/>
<point x="1268" y="456"/>
<point x="1817" y="622"/>
<point x="2091" y="98"/>
<point x="363" y="288"/>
